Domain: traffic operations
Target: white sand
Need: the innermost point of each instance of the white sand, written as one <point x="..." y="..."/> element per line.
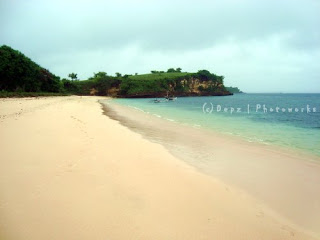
<point x="69" y="172"/>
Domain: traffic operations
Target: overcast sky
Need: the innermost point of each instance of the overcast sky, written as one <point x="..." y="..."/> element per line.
<point x="259" y="46"/>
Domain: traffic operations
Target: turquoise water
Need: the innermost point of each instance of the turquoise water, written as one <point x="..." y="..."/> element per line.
<point x="295" y="124"/>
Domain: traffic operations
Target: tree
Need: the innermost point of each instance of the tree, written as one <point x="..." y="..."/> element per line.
<point x="101" y="83"/>
<point x="70" y="86"/>
<point x="73" y="76"/>
<point x="99" y="75"/>
<point x="178" y="70"/>
<point x="170" y="70"/>
<point x="118" y="74"/>
<point x="205" y="75"/>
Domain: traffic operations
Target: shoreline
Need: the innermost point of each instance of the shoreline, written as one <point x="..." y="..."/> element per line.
<point x="240" y="167"/>
<point x="303" y="153"/>
<point x="69" y="172"/>
<point x="276" y="133"/>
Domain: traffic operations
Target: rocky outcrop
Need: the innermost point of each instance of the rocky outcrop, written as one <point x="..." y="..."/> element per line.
<point x="187" y="88"/>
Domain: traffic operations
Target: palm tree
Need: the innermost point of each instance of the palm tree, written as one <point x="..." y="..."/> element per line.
<point x="73" y="76"/>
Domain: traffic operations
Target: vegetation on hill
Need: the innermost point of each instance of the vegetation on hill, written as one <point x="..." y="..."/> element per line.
<point x="19" y="75"/>
<point x="234" y="90"/>
<point x="158" y="75"/>
<point x="173" y="83"/>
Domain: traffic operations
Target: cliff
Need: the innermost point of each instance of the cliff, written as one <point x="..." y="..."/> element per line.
<point x="202" y="83"/>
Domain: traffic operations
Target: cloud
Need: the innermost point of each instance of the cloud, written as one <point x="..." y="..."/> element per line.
<point x="258" y="45"/>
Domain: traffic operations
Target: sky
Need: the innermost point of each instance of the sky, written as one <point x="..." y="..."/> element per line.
<point x="258" y="45"/>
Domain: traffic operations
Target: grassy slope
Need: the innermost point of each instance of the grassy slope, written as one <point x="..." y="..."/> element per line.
<point x="157" y="76"/>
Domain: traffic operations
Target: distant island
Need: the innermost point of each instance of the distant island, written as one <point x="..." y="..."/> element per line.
<point x="234" y="90"/>
<point x="20" y="76"/>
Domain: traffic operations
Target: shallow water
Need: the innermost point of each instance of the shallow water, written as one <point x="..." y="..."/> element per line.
<point x="299" y="129"/>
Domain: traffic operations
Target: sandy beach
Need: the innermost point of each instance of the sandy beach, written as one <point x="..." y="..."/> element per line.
<point x="70" y="172"/>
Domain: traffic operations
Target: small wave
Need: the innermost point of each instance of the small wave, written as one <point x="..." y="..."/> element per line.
<point x="139" y="109"/>
<point x="228" y="133"/>
<point x="156" y="115"/>
<point x="171" y="120"/>
<point x="256" y="140"/>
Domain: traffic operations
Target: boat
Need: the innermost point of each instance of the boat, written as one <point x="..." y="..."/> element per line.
<point x="170" y="98"/>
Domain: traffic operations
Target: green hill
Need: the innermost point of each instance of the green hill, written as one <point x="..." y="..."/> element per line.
<point x="19" y="73"/>
<point x="157" y="84"/>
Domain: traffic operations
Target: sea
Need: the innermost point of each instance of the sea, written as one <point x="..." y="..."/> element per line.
<point x="285" y="120"/>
